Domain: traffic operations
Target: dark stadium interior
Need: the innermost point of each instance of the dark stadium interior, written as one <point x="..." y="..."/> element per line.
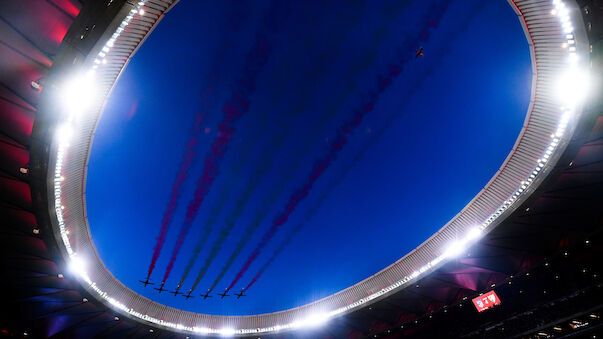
<point x="543" y="260"/>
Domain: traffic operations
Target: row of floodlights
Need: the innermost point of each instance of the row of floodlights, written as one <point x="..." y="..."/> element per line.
<point x="574" y="83"/>
<point x="78" y="93"/>
<point x="101" y="56"/>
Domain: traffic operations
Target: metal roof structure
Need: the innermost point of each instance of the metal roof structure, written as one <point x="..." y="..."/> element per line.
<point x="43" y="197"/>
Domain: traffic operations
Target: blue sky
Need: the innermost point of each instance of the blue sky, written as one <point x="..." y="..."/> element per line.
<point x="434" y="138"/>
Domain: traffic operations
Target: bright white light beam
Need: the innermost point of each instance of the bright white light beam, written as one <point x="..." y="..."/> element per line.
<point x="78" y="93"/>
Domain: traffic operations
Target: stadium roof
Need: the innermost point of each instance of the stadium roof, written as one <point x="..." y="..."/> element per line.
<point x="553" y="167"/>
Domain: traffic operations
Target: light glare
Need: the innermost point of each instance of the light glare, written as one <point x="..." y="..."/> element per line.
<point x="573" y="87"/>
<point x="64" y="133"/>
<point x="455" y="249"/>
<point x="227" y="332"/>
<point x="474" y="234"/>
<point x="78" y="93"/>
<point x="77" y="266"/>
<point x="316" y="320"/>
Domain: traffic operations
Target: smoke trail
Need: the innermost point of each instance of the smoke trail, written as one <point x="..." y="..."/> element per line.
<point x="235" y="107"/>
<point x="389" y="121"/>
<point x="336" y="40"/>
<point x="276" y="253"/>
<point x="340" y="140"/>
<point x="266" y="164"/>
<point x="222" y="199"/>
<point x="207" y="94"/>
<point x="207" y="229"/>
<point x="225" y="231"/>
<point x="234" y="23"/>
<point x="189" y="156"/>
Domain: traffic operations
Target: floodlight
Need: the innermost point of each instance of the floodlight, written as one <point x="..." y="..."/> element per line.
<point x="77" y="266"/>
<point x="573" y="87"/>
<point x="64" y="133"/>
<point x="473" y="234"/>
<point x="78" y="93"/>
<point x="316" y="320"/>
<point x="201" y="330"/>
<point x="455" y="249"/>
<point x="227" y="332"/>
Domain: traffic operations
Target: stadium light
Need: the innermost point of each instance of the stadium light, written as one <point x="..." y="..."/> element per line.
<point x="473" y="234"/>
<point x="77" y="266"/>
<point x="227" y="332"/>
<point x="573" y="87"/>
<point x="64" y="133"/>
<point x="316" y="320"/>
<point x="78" y="93"/>
<point x="460" y="245"/>
<point x="454" y="249"/>
<point x="203" y="330"/>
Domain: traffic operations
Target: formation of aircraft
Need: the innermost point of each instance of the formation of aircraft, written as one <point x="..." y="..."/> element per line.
<point x="188" y="295"/>
<point x="146" y="282"/>
<point x="419" y="53"/>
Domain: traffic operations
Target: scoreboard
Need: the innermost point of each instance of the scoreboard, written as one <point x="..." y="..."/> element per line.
<point x="486" y="301"/>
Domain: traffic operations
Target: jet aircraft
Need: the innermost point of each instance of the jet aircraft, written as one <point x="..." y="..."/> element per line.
<point x="175" y="293"/>
<point x="146" y="282"/>
<point x="160" y="289"/>
<point x="241" y="294"/>
<point x="223" y="294"/>
<point x="188" y="295"/>
<point x="419" y="52"/>
<point x="206" y="295"/>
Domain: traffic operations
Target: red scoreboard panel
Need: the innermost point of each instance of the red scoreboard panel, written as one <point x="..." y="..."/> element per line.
<point x="486" y="301"/>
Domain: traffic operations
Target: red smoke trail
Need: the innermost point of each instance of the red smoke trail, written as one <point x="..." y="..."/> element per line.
<point x="341" y="139"/>
<point x="189" y="156"/>
<point x="290" y="236"/>
<point x="207" y="230"/>
<point x="234" y="22"/>
<point x="334" y="40"/>
<point x="266" y="158"/>
<point x="237" y="105"/>
<point x="309" y="214"/>
<point x="434" y="59"/>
